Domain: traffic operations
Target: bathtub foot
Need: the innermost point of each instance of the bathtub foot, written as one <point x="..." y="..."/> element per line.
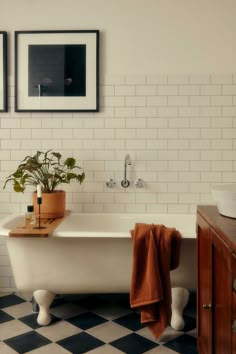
<point x="180" y="297"/>
<point x="44" y="298"/>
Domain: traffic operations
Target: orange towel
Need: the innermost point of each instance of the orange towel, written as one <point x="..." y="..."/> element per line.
<point x="156" y="251"/>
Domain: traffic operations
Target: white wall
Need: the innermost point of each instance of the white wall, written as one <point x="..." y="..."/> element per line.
<point x="168" y="97"/>
<point x="140" y="36"/>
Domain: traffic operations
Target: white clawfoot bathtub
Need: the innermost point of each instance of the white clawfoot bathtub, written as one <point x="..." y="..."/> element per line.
<point x="92" y="253"/>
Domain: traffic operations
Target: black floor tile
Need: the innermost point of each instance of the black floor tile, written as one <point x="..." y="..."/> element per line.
<point x="30" y="320"/>
<point x="130" y="321"/>
<point x="26" y="342"/>
<point x="10" y="300"/>
<point x="4" y="317"/>
<point x="134" y="344"/>
<point x="87" y="320"/>
<point x="80" y="343"/>
<point x="184" y="344"/>
<point x="189" y="323"/>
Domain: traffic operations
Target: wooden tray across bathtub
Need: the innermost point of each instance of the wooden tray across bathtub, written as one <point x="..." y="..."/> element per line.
<point x="48" y="225"/>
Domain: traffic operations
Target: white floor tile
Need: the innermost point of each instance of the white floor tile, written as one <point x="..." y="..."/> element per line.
<point x="19" y="310"/>
<point x="161" y="350"/>
<point x="58" y="330"/>
<point x="13" y="328"/>
<point x="52" y="348"/>
<point x="109" y="331"/>
<point x="168" y="334"/>
<point x="105" y="349"/>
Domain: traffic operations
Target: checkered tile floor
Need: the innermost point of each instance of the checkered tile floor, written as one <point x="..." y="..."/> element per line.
<point x="95" y="324"/>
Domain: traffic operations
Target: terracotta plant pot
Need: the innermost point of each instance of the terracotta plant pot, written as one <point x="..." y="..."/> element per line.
<point x="53" y="204"/>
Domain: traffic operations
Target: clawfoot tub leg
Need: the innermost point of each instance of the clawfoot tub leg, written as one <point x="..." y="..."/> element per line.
<point x="44" y="298"/>
<point x="180" y="297"/>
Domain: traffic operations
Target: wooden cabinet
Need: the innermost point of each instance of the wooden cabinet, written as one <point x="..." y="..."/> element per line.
<point x="216" y="296"/>
<point x="221" y="295"/>
<point x="204" y="297"/>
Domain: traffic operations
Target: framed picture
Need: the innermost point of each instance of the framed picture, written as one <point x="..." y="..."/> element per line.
<point x="57" y="71"/>
<point x="3" y="72"/>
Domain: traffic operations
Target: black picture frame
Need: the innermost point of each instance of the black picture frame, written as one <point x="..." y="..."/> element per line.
<point x="57" y="71"/>
<point x="3" y="72"/>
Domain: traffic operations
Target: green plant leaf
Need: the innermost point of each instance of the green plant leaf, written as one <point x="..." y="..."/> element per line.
<point x="46" y="169"/>
<point x="71" y="176"/>
<point x="70" y="162"/>
<point x="81" y="177"/>
<point x="18" y="174"/>
<point x="18" y="188"/>
<point x="57" y="155"/>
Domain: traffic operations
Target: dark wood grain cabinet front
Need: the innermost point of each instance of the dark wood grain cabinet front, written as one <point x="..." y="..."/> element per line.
<point x="221" y="295"/>
<point x="204" y="314"/>
<point x="216" y="291"/>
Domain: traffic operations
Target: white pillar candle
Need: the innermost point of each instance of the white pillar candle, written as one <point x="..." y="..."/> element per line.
<point x="39" y="192"/>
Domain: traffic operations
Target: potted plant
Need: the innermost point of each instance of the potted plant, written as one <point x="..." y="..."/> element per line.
<point x="48" y="170"/>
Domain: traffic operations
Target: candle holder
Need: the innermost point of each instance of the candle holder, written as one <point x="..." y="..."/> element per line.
<point x="39" y="227"/>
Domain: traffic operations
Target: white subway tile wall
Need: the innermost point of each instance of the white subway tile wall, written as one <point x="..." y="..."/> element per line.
<point x="180" y="131"/>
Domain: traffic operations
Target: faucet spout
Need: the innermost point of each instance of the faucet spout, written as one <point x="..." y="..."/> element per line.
<point x="127" y="159"/>
<point x="125" y="183"/>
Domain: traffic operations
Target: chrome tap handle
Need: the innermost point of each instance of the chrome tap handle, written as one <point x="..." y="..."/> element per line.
<point x="110" y="183"/>
<point x="125" y="183"/>
<point x="139" y="183"/>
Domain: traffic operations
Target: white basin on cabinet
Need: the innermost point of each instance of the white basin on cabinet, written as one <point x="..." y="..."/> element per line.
<point x="225" y="197"/>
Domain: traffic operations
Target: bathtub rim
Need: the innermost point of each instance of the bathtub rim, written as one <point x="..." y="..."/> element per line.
<point x="188" y="231"/>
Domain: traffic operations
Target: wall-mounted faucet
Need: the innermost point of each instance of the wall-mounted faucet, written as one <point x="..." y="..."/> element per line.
<point x="125" y="182"/>
<point x="139" y="183"/>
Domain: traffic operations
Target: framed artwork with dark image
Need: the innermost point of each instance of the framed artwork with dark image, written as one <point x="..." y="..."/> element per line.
<point x="3" y="72"/>
<point x="57" y="71"/>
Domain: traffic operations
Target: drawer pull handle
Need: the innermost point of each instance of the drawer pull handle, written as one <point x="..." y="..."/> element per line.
<point x="207" y="306"/>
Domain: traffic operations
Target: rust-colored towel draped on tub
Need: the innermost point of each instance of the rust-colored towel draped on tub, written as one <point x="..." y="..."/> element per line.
<point x="156" y="251"/>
